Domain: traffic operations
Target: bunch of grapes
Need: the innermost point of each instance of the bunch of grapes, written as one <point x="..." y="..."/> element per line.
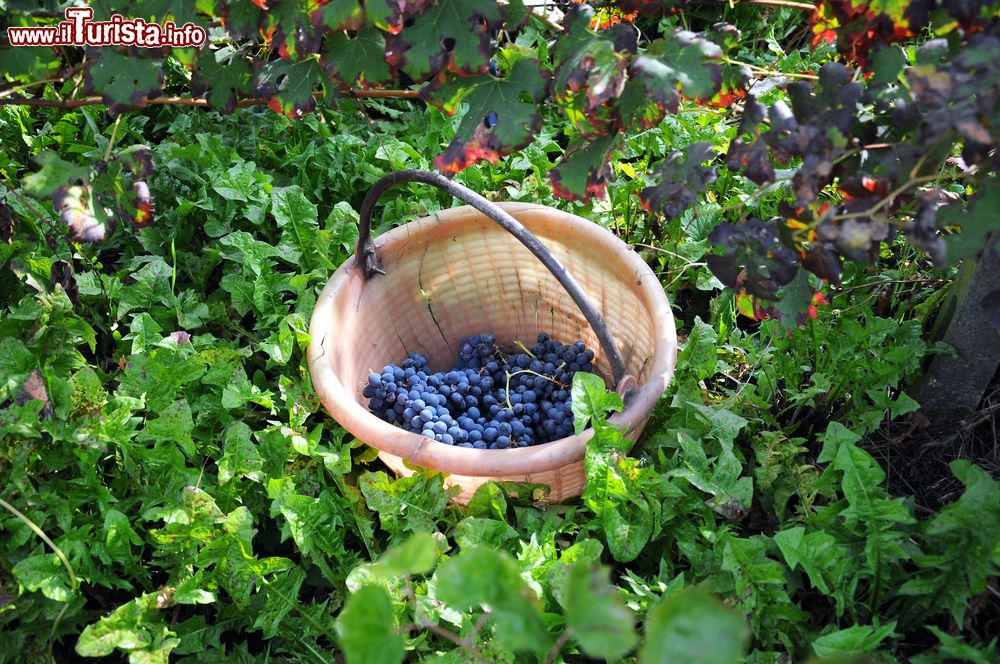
<point x="490" y="399"/>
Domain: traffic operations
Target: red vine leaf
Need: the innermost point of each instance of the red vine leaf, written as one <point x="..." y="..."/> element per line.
<point x="503" y="115"/>
<point x="291" y="28"/>
<point x="682" y="178"/>
<point x="585" y="169"/>
<point x="751" y="258"/>
<point x="289" y="85"/>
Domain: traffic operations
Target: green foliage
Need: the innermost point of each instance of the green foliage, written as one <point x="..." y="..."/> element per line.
<point x="158" y="424"/>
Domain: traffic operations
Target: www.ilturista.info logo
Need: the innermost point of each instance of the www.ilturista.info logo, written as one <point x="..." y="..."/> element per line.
<point x="79" y="30"/>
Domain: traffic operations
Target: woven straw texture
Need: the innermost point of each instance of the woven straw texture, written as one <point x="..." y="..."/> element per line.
<point x="456" y="274"/>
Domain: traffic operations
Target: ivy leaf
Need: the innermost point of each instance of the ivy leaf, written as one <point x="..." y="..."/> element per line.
<point x="692" y="626"/>
<point x="682" y="178"/>
<point x="224" y="81"/>
<point x="124" y="82"/>
<point x="584" y="171"/>
<point x="357" y="60"/>
<point x="452" y="34"/>
<point x="502" y="116"/>
<point x="289" y="85"/>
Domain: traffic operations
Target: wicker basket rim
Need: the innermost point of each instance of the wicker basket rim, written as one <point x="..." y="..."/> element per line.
<point x="418" y="450"/>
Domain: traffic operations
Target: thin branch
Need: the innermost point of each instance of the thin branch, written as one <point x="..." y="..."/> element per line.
<point x="558" y="646"/>
<point x="189" y="101"/>
<point x="887" y="281"/>
<point x="59" y="78"/>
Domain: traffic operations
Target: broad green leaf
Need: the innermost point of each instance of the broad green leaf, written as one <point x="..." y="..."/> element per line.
<point x="53" y="174"/>
<point x="585" y="169"/>
<point x="482" y="576"/>
<point x="289" y="85"/>
<point x="853" y="641"/>
<point x="591" y="400"/>
<point x="452" y="34"/>
<point x="502" y="115"/>
<point x="367" y="628"/>
<point x="224" y="81"/>
<point x="692" y="626"/>
<point x="603" y="626"/>
<point x="417" y="555"/>
<point x="44" y="572"/>
<point x="240" y="457"/>
<point x="357" y="60"/>
<point x="125" y="82"/>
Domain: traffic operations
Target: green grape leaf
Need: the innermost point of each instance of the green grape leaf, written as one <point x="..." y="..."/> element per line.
<point x="242" y="19"/>
<point x="124" y="82"/>
<point x="584" y="171"/>
<point x="387" y="15"/>
<point x="28" y="64"/>
<point x="289" y="85"/>
<point x="452" y="35"/>
<point x="679" y="63"/>
<point x="682" y="178"/>
<point x="483" y="576"/>
<point x="338" y="15"/>
<point x="367" y="628"/>
<point x="357" y="60"/>
<point x="503" y="116"/>
<point x="603" y="626"/>
<point x="55" y="173"/>
<point x="223" y="81"/>
<point x="692" y="626"/>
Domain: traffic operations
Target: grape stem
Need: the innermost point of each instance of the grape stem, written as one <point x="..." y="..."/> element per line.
<point x="529" y="371"/>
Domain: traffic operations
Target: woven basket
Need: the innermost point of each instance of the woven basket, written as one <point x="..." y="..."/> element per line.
<point x="457" y="273"/>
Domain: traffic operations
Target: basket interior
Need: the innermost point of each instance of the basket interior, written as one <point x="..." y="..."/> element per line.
<point x="458" y="274"/>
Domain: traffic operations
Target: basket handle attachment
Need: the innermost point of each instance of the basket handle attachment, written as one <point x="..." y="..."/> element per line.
<point x="367" y="256"/>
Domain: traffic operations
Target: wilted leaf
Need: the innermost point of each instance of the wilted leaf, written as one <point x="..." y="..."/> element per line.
<point x="289" y="85"/>
<point x="682" y="178"/>
<point x="584" y="171"/>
